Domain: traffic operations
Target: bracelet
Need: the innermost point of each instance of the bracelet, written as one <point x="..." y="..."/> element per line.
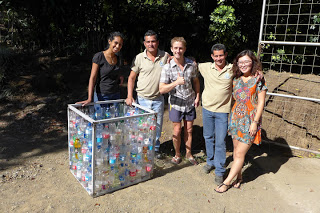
<point x="255" y="121"/>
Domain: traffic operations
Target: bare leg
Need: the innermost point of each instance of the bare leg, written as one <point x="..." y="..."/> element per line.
<point x="239" y="175"/>
<point x="176" y="138"/>
<point x="188" y="125"/>
<point x="239" y="153"/>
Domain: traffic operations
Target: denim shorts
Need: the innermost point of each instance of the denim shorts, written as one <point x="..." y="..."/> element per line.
<point x="177" y="116"/>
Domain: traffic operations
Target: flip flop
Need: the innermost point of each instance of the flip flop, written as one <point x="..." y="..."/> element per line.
<point x="176" y="160"/>
<point x="237" y="181"/>
<point x="222" y="184"/>
<point x="193" y="161"/>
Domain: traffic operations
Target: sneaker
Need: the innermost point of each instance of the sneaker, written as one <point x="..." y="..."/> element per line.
<point x="208" y="168"/>
<point x="218" y="180"/>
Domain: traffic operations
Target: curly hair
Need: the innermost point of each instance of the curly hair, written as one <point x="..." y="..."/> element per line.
<point x="256" y="64"/>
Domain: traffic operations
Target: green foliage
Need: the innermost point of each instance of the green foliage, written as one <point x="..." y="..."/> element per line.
<point x="224" y="21"/>
<point x="81" y="26"/>
<point x="282" y="57"/>
<point x="316" y="19"/>
<point x="224" y="27"/>
<point x="313" y="27"/>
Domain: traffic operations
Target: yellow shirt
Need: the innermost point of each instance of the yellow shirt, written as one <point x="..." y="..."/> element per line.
<point x="149" y="73"/>
<point x="217" y="93"/>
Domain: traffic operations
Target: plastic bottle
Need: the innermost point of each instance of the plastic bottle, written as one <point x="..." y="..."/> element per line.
<point x="146" y="144"/>
<point x="80" y="156"/>
<point x="91" y="112"/>
<point x="77" y="144"/>
<point x="132" y="172"/>
<point x="104" y="178"/>
<point x="116" y="182"/>
<point x="99" y="158"/>
<point x="87" y="158"/>
<point x="134" y="150"/>
<point x="122" y="180"/>
<point x="98" y="180"/>
<point x="83" y="178"/>
<point x="116" y="110"/>
<point x="112" y="128"/>
<point x="98" y="114"/>
<point x="79" y="170"/>
<point x="123" y="154"/>
<point x="105" y="135"/>
<point x="99" y="129"/>
<point x="136" y="111"/>
<point x="107" y="112"/>
<point x="84" y="148"/>
<point x="88" y="132"/>
<point x="152" y="129"/>
<point x="88" y="180"/>
<point x="90" y="146"/>
<point x="106" y="155"/>
<point x="112" y="111"/>
<point x="74" y="163"/>
<point x="112" y="160"/>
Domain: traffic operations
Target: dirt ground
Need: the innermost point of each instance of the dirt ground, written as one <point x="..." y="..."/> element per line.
<point x="34" y="174"/>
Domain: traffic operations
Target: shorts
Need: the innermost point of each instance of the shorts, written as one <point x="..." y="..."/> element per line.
<point x="177" y="116"/>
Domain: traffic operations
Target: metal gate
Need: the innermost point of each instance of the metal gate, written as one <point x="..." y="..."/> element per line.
<point x="289" y="49"/>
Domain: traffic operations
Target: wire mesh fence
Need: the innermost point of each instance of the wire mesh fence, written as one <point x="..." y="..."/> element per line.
<point x="289" y="50"/>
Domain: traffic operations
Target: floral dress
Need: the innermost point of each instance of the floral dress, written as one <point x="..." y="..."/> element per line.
<point x="244" y="109"/>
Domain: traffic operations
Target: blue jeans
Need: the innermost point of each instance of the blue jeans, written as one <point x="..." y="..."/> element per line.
<point x="156" y="105"/>
<point x="215" y="126"/>
<point x="107" y="97"/>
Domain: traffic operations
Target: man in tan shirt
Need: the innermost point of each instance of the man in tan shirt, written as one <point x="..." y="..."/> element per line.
<point x="216" y="102"/>
<point x="147" y="66"/>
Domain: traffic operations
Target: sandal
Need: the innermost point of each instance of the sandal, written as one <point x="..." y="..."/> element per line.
<point x="223" y="184"/>
<point x="237" y="181"/>
<point x="176" y="160"/>
<point x="193" y="161"/>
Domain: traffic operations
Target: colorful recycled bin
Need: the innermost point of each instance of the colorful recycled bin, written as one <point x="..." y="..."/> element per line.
<point x="111" y="145"/>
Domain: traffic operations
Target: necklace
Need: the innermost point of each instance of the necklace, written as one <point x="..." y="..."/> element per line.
<point x="111" y="58"/>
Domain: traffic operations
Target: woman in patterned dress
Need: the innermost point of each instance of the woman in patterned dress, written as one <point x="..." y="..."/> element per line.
<point x="245" y="118"/>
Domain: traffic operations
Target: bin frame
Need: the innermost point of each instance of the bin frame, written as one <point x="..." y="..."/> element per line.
<point x="109" y="120"/>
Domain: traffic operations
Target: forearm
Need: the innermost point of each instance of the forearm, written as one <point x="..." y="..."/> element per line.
<point x="130" y="86"/>
<point x="196" y="85"/>
<point x="91" y="88"/>
<point x="260" y="106"/>
<point x="165" y="88"/>
<point x="92" y="80"/>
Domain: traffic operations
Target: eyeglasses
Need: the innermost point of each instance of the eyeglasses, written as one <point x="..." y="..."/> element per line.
<point x="240" y="63"/>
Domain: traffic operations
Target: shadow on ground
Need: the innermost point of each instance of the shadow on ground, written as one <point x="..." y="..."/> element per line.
<point x="33" y="117"/>
<point x="264" y="159"/>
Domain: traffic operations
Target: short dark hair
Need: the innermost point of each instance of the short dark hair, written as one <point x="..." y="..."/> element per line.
<point x="115" y="34"/>
<point x="150" y="33"/>
<point x="218" y="47"/>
